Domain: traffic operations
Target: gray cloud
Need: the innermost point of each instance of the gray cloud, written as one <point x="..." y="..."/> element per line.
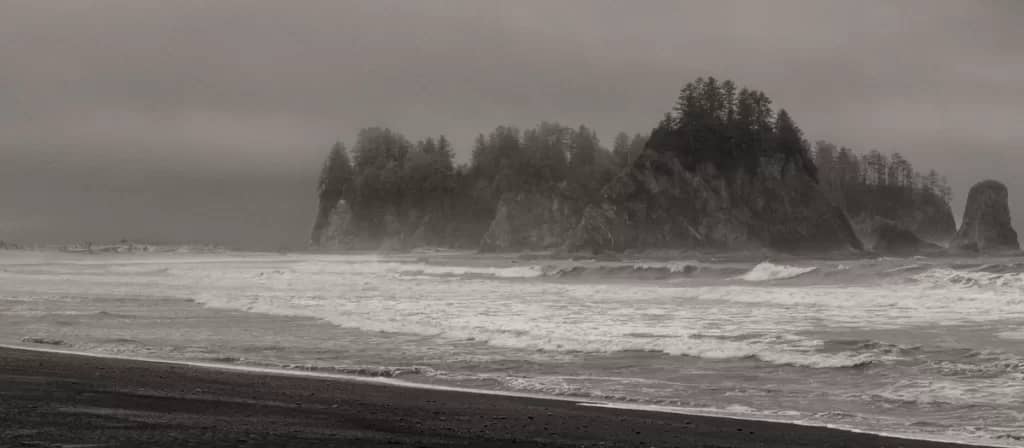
<point x="198" y="120"/>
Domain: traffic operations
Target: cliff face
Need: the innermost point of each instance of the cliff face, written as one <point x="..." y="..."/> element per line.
<point x="932" y="219"/>
<point x="337" y="228"/>
<point x="891" y="238"/>
<point x="986" y="225"/>
<point x="530" y="221"/>
<point x="658" y="204"/>
<point x="331" y="229"/>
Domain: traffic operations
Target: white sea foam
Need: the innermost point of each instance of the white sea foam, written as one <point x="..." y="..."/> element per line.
<point x="502" y="272"/>
<point x="598" y="318"/>
<point x="1011" y="283"/>
<point x="673" y="266"/>
<point x="769" y="271"/>
<point x="517" y="311"/>
<point x="948" y="392"/>
<point x="542" y="326"/>
<point x="374" y="266"/>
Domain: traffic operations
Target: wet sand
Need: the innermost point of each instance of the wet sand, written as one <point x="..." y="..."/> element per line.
<point x="64" y="400"/>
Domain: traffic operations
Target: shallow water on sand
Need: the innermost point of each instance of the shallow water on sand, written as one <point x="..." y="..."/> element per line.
<point x="930" y="348"/>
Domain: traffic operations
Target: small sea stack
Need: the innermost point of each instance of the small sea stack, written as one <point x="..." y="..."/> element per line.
<point x="986" y="225"/>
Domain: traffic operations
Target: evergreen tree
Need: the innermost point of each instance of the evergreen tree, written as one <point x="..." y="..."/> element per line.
<point x="636" y="146"/>
<point x="825" y="158"/>
<point x="583" y="149"/>
<point x="620" y="148"/>
<point x="790" y="143"/>
<point x="931" y="181"/>
<point x="878" y="184"/>
<point x="546" y="149"/>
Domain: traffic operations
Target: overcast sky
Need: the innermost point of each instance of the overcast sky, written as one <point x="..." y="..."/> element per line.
<point x="207" y="120"/>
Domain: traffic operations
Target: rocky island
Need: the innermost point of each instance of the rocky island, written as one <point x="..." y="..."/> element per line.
<point x="986" y="225"/>
<point x="723" y="171"/>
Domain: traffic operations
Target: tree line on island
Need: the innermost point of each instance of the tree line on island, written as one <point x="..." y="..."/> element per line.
<point x="846" y="175"/>
<point x="392" y="192"/>
<point x="395" y="190"/>
<point x="875" y="186"/>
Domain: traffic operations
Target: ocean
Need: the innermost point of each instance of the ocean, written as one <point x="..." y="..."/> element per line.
<point x="929" y="348"/>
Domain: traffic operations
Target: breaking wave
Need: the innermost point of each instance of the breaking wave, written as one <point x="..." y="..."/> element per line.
<point x="403" y="269"/>
<point x="644" y="271"/>
<point x="1009" y="275"/>
<point x="769" y="271"/>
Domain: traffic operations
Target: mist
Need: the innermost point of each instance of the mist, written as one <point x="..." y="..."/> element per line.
<point x="206" y="122"/>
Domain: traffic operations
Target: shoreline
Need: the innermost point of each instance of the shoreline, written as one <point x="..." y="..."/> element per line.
<point x="515" y="257"/>
<point x="65" y="397"/>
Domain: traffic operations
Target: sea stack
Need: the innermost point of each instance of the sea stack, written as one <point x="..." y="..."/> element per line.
<point x="986" y="224"/>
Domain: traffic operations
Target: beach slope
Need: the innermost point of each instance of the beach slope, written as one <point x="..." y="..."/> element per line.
<point x="55" y="399"/>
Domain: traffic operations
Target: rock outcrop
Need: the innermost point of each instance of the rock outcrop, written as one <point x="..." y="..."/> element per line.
<point x="659" y="204"/>
<point x="925" y="214"/>
<point x="337" y="228"/>
<point x="332" y="224"/>
<point x="986" y="226"/>
<point x="891" y="238"/>
<point x="931" y="219"/>
<point x="530" y="221"/>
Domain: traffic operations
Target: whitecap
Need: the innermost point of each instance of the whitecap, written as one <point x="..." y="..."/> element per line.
<point x="769" y="271"/>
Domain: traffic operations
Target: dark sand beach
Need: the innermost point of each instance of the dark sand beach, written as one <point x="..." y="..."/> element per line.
<point x="64" y="400"/>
